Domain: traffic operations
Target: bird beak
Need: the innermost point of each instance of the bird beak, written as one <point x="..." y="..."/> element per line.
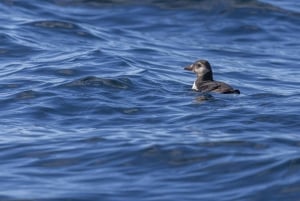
<point x="189" y="68"/>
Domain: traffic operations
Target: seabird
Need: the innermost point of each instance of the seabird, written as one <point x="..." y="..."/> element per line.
<point x="205" y="82"/>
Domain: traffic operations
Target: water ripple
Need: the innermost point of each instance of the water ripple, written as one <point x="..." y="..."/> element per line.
<point x="94" y="98"/>
<point x="93" y="81"/>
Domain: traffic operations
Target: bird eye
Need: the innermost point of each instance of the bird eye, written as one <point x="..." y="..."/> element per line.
<point x="199" y="65"/>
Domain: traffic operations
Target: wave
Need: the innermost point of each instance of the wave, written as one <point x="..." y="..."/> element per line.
<point x="93" y="81"/>
<point x="208" y="5"/>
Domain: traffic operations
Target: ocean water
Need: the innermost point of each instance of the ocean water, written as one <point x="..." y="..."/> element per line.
<point x="95" y="104"/>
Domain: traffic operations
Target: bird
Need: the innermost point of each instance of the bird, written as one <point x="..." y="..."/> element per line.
<point x="205" y="82"/>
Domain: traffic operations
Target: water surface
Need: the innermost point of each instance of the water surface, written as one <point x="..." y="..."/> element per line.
<point x="95" y="104"/>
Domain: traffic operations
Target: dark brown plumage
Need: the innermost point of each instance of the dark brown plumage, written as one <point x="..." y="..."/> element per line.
<point x="205" y="81"/>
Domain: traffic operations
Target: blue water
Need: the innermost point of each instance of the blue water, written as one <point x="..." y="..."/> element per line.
<point x="95" y="104"/>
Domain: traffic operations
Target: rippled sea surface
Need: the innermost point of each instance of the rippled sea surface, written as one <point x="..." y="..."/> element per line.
<point x="95" y="104"/>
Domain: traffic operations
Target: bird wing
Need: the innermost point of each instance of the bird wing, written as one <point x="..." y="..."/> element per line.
<point x="215" y="86"/>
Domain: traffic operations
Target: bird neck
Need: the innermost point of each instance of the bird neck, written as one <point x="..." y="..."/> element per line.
<point x="205" y="77"/>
